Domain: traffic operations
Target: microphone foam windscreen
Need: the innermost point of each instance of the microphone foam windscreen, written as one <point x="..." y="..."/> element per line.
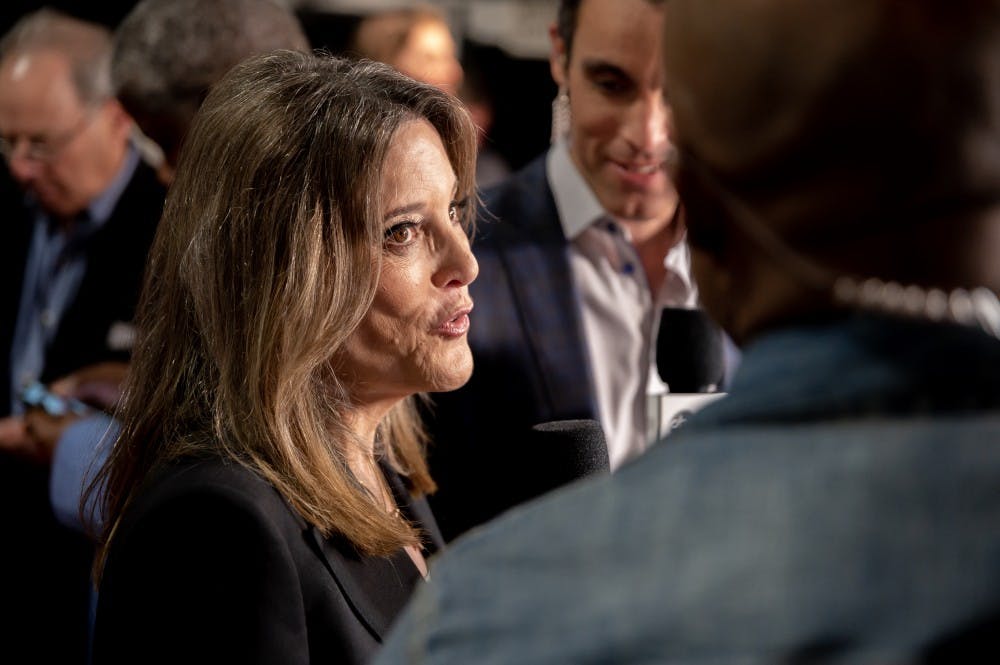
<point x="560" y="452"/>
<point x="689" y="351"/>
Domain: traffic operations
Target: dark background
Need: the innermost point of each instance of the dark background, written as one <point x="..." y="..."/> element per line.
<point x="521" y="89"/>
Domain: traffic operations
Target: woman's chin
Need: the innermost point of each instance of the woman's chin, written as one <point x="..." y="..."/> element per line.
<point x="453" y="375"/>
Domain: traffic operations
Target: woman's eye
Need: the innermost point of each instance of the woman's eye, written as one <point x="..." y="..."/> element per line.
<point x="401" y="234"/>
<point x="455" y="208"/>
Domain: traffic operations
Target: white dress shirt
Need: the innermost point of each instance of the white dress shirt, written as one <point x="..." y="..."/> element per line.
<point x="620" y="310"/>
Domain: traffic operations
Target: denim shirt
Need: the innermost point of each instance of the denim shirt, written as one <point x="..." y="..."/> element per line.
<point x="842" y="504"/>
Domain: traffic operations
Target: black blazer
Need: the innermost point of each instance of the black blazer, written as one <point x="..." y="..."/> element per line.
<point x="211" y="565"/>
<point x="531" y="362"/>
<point x="116" y="261"/>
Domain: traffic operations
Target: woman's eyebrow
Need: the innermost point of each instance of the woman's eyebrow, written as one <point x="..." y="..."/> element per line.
<point x="403" y="210"/>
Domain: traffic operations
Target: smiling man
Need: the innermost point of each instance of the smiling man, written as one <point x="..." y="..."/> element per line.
<point x="579" y="252"/>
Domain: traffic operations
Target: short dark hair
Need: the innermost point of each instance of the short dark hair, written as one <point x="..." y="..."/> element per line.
<point x="566" y="20"/>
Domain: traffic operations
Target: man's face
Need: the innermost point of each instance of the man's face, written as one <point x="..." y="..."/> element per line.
<point x="619" y="120"/>
<point x="62" y="151"/>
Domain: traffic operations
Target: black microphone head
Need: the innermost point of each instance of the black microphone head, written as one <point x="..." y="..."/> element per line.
<point x="689" y="351"/>
<point x="558" y="453"/>
<point x="578" y="446"/>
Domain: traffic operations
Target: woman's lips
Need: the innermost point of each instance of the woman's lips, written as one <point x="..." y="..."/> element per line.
<point x="456" y="323"/>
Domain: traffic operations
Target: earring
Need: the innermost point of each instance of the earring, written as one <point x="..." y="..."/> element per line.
<point x="560" y="115"/>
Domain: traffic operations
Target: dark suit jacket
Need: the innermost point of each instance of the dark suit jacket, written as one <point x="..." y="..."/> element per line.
<point x="211" y="565"/>
<point x="531" y="363"/>
<point x="116" y="260"/>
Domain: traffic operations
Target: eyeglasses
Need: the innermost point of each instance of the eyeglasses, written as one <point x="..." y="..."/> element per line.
<point x="44" y="149"/>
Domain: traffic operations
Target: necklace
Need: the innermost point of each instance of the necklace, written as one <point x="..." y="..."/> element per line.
<point x="378" y="492"/>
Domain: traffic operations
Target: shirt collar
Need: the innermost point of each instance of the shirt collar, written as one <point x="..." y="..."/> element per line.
<point x="576" y="203"/>
<point x="103" y="205"/>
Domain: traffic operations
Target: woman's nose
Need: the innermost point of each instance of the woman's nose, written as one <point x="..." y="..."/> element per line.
<point x="458" y="266"/>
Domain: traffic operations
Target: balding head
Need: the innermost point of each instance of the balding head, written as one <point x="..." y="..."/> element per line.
<point x="86" y="46"/>
<point x="64" y="138"/>
<point x="854" y="128"/>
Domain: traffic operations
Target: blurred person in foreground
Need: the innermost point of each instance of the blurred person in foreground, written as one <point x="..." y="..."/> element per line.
<point x="838" y="165"/>
<point x="309" y="278"/>
<point x="80" y="208"/>
<point x="165" y="56"/>
<point x="579" y="252"/>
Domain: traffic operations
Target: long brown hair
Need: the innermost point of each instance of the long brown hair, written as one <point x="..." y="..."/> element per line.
<point x="266" y="260"/>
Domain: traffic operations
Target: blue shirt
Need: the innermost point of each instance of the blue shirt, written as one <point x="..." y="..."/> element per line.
<point x="55" y="267"/>
<point x="82" y="449"/>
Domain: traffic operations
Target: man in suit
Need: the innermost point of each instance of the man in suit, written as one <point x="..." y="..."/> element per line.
<point x="841" y="504"/>
<point x="578" y="253"/>
<point x="80" y="211"/>
<point x="87" y="208"/>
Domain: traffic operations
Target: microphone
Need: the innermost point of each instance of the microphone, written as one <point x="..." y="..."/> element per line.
<point x="689" y="351"/>
<point x="559" y="452"/>
<point x="690" y="359"/>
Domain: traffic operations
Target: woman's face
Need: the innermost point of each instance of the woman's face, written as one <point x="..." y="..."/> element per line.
<point x="429" y="56"/>
<point x="414" y="337"/>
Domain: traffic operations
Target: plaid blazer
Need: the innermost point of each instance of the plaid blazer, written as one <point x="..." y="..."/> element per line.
<point x="531" y="363"/>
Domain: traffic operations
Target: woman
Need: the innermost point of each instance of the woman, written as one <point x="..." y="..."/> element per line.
<point x="415" y="40"/>
<point x="310" y="275"/>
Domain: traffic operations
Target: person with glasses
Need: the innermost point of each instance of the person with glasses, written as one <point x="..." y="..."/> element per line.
<point x="80" y="208"/>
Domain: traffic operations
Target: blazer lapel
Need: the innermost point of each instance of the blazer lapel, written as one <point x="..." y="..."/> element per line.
<point x="376" y="588"/>
<point x="534" y="253"/>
